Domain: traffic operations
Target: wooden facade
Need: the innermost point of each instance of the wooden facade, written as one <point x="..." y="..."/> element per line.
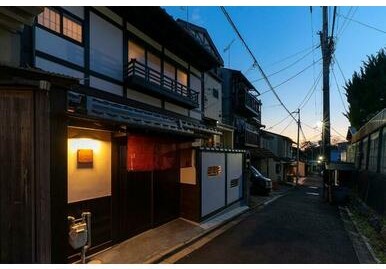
<point x="77" y="87"/>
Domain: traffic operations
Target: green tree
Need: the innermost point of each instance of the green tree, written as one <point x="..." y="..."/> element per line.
<point x="366" y="91"/>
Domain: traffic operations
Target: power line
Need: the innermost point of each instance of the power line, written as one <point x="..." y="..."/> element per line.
<point x="363" y="24"/>
<point x="340" y="69"/>
<point x="255" y="60"/>
<point x="297" y="74"/>
<point x="301" y="130"/>
<point x="276" y="124"/>
<point x="340" y="94"/>
<point x="348" y="22"/>
<point x="311" y="90"/>
<point x="285" y="128"/>
<point x="293" y="55"/>
<point x="344" y="22"/>
<point x="288" y="66"/>
<point x="338" y="133"/>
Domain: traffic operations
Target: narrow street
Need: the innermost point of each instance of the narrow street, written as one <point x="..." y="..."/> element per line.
<point x="297" y="228"/>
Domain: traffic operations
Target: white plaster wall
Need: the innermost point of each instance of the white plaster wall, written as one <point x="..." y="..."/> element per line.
<point x="234" y="170"/>
<point x="195" y="114"/>
<point x="59" y="47"/>
<point x="176" y="108"/>
<point x="106" y="48"/>
<point x="143" y="98"/>
<point x="213" y="187"/>
<point x="57" y="68"/>
<point x="106" y="86"/>
<point x="89" y="183"/>
<point x="213" y="106"/>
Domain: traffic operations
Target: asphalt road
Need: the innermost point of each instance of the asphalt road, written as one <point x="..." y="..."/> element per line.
<point x="297" y="228"/>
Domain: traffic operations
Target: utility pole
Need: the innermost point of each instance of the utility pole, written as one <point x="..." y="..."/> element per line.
<point x="327" y="50"/>
<point x="297" y="153"/>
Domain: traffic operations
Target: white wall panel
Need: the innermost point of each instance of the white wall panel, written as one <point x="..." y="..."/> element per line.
<point x="213" y="105"/>
<point x="195" y="114"/>
<point x="106" y="48"/>
<point x="106" y="86"/>
<point x="59" y="47"/>
<point x="143" y="98"/>
<point x="78" y="11"/>
<point x="213" y="187"/>
<point x="176" y="108"/>
<point x="57" y="68"/>
<point x="93" y="182"/>
<point x="234" y="172"/>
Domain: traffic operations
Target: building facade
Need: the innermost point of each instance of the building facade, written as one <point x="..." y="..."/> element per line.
<point x="241" y="108"/>
<point x="124" y="128"/>
<point x="275" y="159"/>
<point x="367" y="150"/>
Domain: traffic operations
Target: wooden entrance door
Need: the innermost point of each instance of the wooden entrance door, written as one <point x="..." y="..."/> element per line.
<point x="146" y="199"/>
<point x="134" y="199"/>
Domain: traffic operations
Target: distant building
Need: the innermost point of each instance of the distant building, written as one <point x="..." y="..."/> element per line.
<point x="274" y="156"/>
<point x="241" y="108"/>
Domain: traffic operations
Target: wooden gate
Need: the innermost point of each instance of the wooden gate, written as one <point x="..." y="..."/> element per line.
<point x="24" y="176"/>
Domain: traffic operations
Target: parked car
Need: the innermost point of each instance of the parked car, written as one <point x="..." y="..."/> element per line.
<point x="259" y="183"/>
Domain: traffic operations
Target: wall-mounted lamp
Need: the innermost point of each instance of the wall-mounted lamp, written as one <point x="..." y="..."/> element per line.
<point x="84" y="148"/>
<point x="84" y="158"/>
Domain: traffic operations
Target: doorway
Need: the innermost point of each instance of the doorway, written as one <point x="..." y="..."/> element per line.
<point x="148" y="188"/>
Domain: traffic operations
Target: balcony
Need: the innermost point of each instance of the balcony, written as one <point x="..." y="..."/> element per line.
<point x="249" y="104"/>
<point x="143" y="78"/>
<point x="251" y="135"/>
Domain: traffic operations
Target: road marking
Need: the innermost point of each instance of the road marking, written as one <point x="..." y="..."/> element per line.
<point x="312" y="193"/>
<point x="312" y="187"/>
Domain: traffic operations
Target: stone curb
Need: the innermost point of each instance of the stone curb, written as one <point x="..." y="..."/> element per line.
<point x="157" y="258"/>
<point x="364" y="238"/>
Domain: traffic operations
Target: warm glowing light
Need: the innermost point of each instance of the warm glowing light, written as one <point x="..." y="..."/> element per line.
<point x="84" y="143"/>
<point x="320" y="157"/>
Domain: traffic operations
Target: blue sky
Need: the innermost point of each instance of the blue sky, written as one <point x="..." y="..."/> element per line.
<point x="273" y="34"/>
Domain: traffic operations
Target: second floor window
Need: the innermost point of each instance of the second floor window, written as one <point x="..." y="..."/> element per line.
<point x="50" y="19"/>
<point x="72" y="29"/>
<point x="61" y="24"/>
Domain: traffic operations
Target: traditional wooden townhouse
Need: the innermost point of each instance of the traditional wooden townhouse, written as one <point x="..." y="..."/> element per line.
<point x="124" y="128"/>
<point x="241" y="108"/>
<point x="217" y="158"/>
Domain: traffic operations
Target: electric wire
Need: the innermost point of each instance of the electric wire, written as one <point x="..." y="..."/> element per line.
<point x="297" y="74"/>
<point x="288" y="66"/>
<point x="285" y="128"/>
<point x="340" y="69"/>
<point x="293" y="55"/>
<point x="276" y="124"/>
<point x="348" y="23"/>
<point x="338" y="133"/>
<point x="255" y="62"/>
<point x="363" y="24"/>
<point x="340" y="94"/>
<point x="310" y="91"/>
<point x="344" y="22"/>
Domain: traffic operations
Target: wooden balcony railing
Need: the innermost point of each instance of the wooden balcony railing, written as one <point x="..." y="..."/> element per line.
<point x="165" y="85"/>
<point x="252" y="103"/>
